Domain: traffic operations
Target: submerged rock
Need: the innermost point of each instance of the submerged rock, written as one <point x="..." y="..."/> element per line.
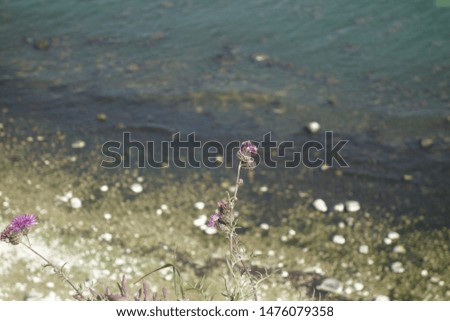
<point x="426" y="142"/>
<point x="312" y="127"/>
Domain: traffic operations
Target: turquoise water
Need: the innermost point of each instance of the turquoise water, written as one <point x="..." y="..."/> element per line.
<point x="374" y="72"/>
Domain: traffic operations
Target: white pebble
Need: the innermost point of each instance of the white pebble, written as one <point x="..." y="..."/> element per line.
<point x="393" y="235"/>
<point x="338" y="207"/>
<point x="352" y="206"/>
<point x="263" y="189"/>
<point x="291" y="232"/>
<point x="78" y="144"/>
<point x="399" y="249"/>
<point x="284" y="274"/>
<point x="164" y="207"/>
<point x="119" y="261"/>
<point x="313" y="127"/>
<point x="199" y="205"/>
<point x="358" y="286"/>
<point x="271" y="253"/>
<point x="210" y="230"/>
<point x="387" y="241"/>
<point x="50" y="285"/>
<point x="382" y="298"/>
<point x="104" y="188"/>
<point x="364" y="249"/>
<point x="107" y="216"/>
<point x="397" y="267"/>
<point x="159" y="212"/>
<point x="264" y="226"/>
<point x="339" y="239"/>
<point x="137" y="188"/>
<point x="319" y="205"/>
<point x="106" y="237"/>
<point x="75" y="203"/>
<point x="424" y="273"/>
<point x="284" y="238"/>
<point x="201" y="220"/>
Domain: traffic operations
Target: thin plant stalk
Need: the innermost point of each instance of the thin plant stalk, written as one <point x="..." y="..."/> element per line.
<point x="55" y="269"/>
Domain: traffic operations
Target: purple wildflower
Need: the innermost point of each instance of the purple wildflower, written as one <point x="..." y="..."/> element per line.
<point x="213" y="219"/>
<point x="23" y="223"/>
<point x="6" y="233"/>
<point x="19" y="226"/>
<point x="247" y="148"/>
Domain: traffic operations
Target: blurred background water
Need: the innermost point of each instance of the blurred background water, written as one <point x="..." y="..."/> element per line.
<point x="374" y="72"/>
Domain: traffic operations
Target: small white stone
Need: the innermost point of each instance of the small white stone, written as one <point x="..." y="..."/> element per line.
<point x="50" y="285"/>
<point x="319" y="205"/>
<point x="382" y="298"/>
<point x="397" y="267"/>
<point x="358" y="286"/>
<point x="387" y="241"/>
<point x="271" y="253"/>
<point x="339" y="207"/>
<point x="284" y="238"/>
<point x="140" y="179"/>
<point x="6" y="204"/>
<point x="364" y="249"/>
<point x="75" y="203"/>
<point x="291" y="232"/>
<point x="168" y="277"/>
<point x="260" y="57"/>
<point x="106" y="237"/>
<point x="352" y="206"/>
<point x="313" y="127"/>
<point x="137" y="188"/>
<point x="399" y="249"/>
<point x="119" y="261"/>
<point x="78" y="144"/>
<point x="339" y="239"/>
<point x="201" y="220"/>
<point x="393" y="235"/>
<point x="441" y="283"/>
<point x="331" y="285"/>
<point x="263" y="189"/>
<point x="210" y="230"/>
<point x="199" y="205"/>
<point x="424" y="273"/>
<point x="264" y="226"/>
<point x="104" y="188"/>
<point x="159" y="212"/>
<point x="107" y="216"/>
<point x="284" y="274"/>
<point x="164" y="207"/>
<point x="348" y="290"/>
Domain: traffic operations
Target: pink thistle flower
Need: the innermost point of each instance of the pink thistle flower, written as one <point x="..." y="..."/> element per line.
<point x="247" y="148"/>
<point x="213" y="219"/>
<point x="19" y="226"/>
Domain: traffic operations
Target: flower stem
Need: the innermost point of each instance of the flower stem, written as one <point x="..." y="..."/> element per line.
<point x="56" y="270"/>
